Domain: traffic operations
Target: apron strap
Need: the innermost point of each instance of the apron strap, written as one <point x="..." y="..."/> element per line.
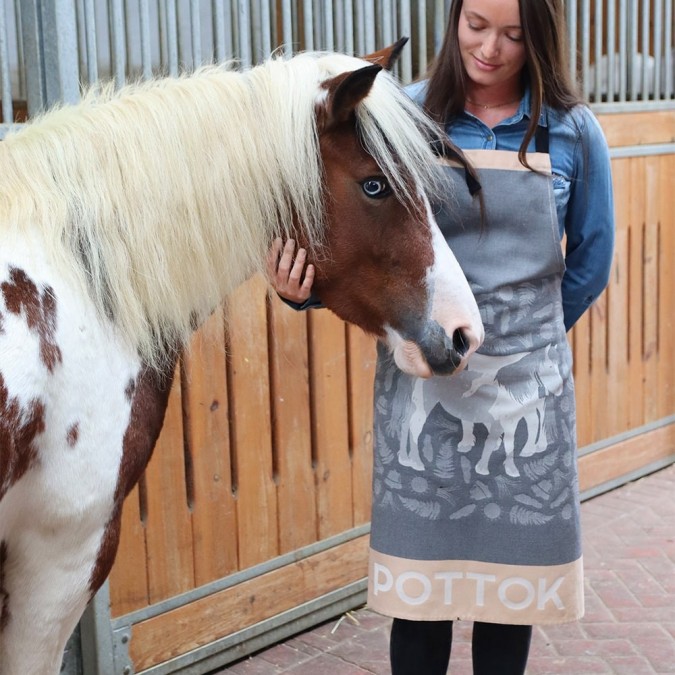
<point x="541" y="140"/>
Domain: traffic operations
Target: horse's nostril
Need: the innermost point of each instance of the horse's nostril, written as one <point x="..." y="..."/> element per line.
<point x="459" y="342"/>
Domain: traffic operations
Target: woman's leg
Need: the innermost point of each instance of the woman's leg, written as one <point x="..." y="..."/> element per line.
<point x="500" y="649"/>
<point x="417" y="647"/>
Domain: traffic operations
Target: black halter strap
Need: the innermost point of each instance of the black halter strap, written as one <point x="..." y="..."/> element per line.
<point x="541" y="139"/>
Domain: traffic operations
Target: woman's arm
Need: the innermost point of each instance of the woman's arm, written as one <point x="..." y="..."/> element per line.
<point x="589" y="223"/>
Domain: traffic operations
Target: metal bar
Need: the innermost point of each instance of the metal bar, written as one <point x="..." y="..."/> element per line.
<point x="89" y="17"/>
<point x="598" y="53"/>
<point x="308" y="24"/>
<point x="219" y="33"/>
<point x="265" y="29"/>
<point x="623" y="52"/>
<point x="646" y="5"/>
<point x="117" y="41"/>
<point x="585" y="47"/>
<point x="405" y="30"/>
<point x="348" y="26"/>
<point x="328" y="26"/>
<point x="96" y="635"/>
<point x="658" y="53"/>
<point x="669" y="51"/>
<point x="196" y="33"/>
<point x="5" y="78"/>
<point x="572" y="27"/>
<point x="31" y="22"/>
<point x="244" y="28"/>
<point x="611" y="52"/>
<point x="422" y="46"/>
<point x="287" y="27"/>
<point x="633" y="50"/>
<point x="369" y="27"/>
<point x="146" y="44"/>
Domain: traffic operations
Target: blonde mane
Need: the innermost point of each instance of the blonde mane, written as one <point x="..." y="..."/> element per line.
<point x="160" y="198"/>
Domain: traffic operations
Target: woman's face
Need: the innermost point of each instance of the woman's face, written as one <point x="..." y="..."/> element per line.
<point x="491" y="41"/>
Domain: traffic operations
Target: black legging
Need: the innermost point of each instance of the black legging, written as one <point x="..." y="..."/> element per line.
<point x="418" y="647"/>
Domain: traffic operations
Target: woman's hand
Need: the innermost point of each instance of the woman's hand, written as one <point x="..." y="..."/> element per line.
<point x="290" y="276"/>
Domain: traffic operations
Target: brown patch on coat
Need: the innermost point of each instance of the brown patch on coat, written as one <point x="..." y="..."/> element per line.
<point x="73" y="434"/>
<point x="4" y="593"/>
<point x="149" y="398"/>
<point x="39" y="307"/>
<point x="19" y="426"/>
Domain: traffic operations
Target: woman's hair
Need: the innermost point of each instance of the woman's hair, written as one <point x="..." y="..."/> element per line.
<point x="546" y="69"/>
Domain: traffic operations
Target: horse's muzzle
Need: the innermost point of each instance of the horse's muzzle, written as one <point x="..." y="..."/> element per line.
<point x="445" y="354"/>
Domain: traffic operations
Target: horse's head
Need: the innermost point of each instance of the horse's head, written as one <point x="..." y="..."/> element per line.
<point x="388" y="267"/>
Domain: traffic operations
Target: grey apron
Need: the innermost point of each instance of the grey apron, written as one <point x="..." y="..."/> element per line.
<point x="475" y="497"/>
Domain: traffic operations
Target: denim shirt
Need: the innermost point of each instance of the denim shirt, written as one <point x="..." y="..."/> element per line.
<point x="582" y="184"/>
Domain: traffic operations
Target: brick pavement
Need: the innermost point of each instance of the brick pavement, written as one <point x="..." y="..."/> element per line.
<point x="628" y="629"/>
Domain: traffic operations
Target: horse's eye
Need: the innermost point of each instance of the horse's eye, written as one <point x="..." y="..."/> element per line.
<point x="376" y="188"/>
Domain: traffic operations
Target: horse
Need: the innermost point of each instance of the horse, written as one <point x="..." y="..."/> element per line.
<point x="126" y="219"/>
<point x="488" y="401"/>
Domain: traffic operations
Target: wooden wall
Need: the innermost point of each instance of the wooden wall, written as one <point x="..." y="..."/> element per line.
<point x="267" y="443"/>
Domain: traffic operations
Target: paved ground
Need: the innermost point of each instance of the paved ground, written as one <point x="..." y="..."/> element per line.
<point x="629" y="627"/>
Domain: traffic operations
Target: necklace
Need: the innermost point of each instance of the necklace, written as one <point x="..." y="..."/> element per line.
<point x="490" y="107"/>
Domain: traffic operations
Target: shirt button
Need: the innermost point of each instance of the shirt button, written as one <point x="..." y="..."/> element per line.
<point x="490" y="137"/>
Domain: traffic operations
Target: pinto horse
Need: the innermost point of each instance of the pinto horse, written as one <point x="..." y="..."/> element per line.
<point x="125" y="220"/>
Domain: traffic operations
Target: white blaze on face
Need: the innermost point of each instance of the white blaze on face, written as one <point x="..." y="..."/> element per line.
<point x="453" y="307"/>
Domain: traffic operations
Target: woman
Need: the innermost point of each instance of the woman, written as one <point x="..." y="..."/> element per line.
<point x="475" y="499"/>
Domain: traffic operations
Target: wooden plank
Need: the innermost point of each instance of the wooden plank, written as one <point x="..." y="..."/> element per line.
<point x="169" y="527"/>
<point x="618" y="301"/>
<point x="206" y="412"/>
<point x="650" y="289"/>
<point x="203" y="621"/>
<point x="636" y="380"/>
<point x="581" y="348"/>
<point x="599" y="361"/>
<point x="666" y="294"/>
<point x="639" y="128"/>
<point x="294" y="477"/>
<point x="250" y="424"/>
<point x="330" y="424"/>
<point x="129" y="578"/>
<point x="622" y="458"/>
<point x="362" y="359"/>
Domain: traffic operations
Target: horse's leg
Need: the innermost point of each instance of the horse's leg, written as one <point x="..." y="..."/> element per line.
<point x="410" y="433"/>
<point x="46" y="574"/>
<point x="59" y="542"/>
<point x="468" y="439"/>
<point x="509" y="446"/>
<point x="492" y="444"/>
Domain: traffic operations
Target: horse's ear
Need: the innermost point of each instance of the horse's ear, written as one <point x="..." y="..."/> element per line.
<point x="346" y="91"/>
<point x="388" y="56"/>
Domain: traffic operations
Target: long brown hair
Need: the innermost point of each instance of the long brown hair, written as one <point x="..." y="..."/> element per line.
<point x="546" y="70"/>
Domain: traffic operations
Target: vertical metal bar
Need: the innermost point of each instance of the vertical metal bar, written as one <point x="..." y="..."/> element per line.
<point x="669" y="52"/>
<point x="601" y="65"/>
<point x="243" y="25"/>
<point x="287" y="27"/>
<point x="572" y="28"/>
<point x="171" y="29"/>
<point x="348" y="26"/>
<point x="117" y="41"/>
<point x="645" y="49"/>
<point x="623" y="52"/>
<point x="611" y="52"/>
<point x="97" y="635"/>
<point x="308" y="24"/>
<point x="90" y="41"/>
<point x="360" y="42"/>
<point x="405" y="29"/>
<point x="439" y="24"/>
<point x="369" y="26"/>
<point x="196" y="33"/>
<point x="658" y="54"/>
<point x="339" y="24"/>
<point x="422" y="46"/>
<point x="265" y="28"/>
<point x="5" y="82"/>
<point x="633" y="49"/>
<point x="146" y="49"/>
<point x="585" y="46"/>
<point x="328" y="27"/>
<point x="219" y="39"/>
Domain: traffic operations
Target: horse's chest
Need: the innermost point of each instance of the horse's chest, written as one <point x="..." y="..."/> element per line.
<point x="66" y="386"/>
